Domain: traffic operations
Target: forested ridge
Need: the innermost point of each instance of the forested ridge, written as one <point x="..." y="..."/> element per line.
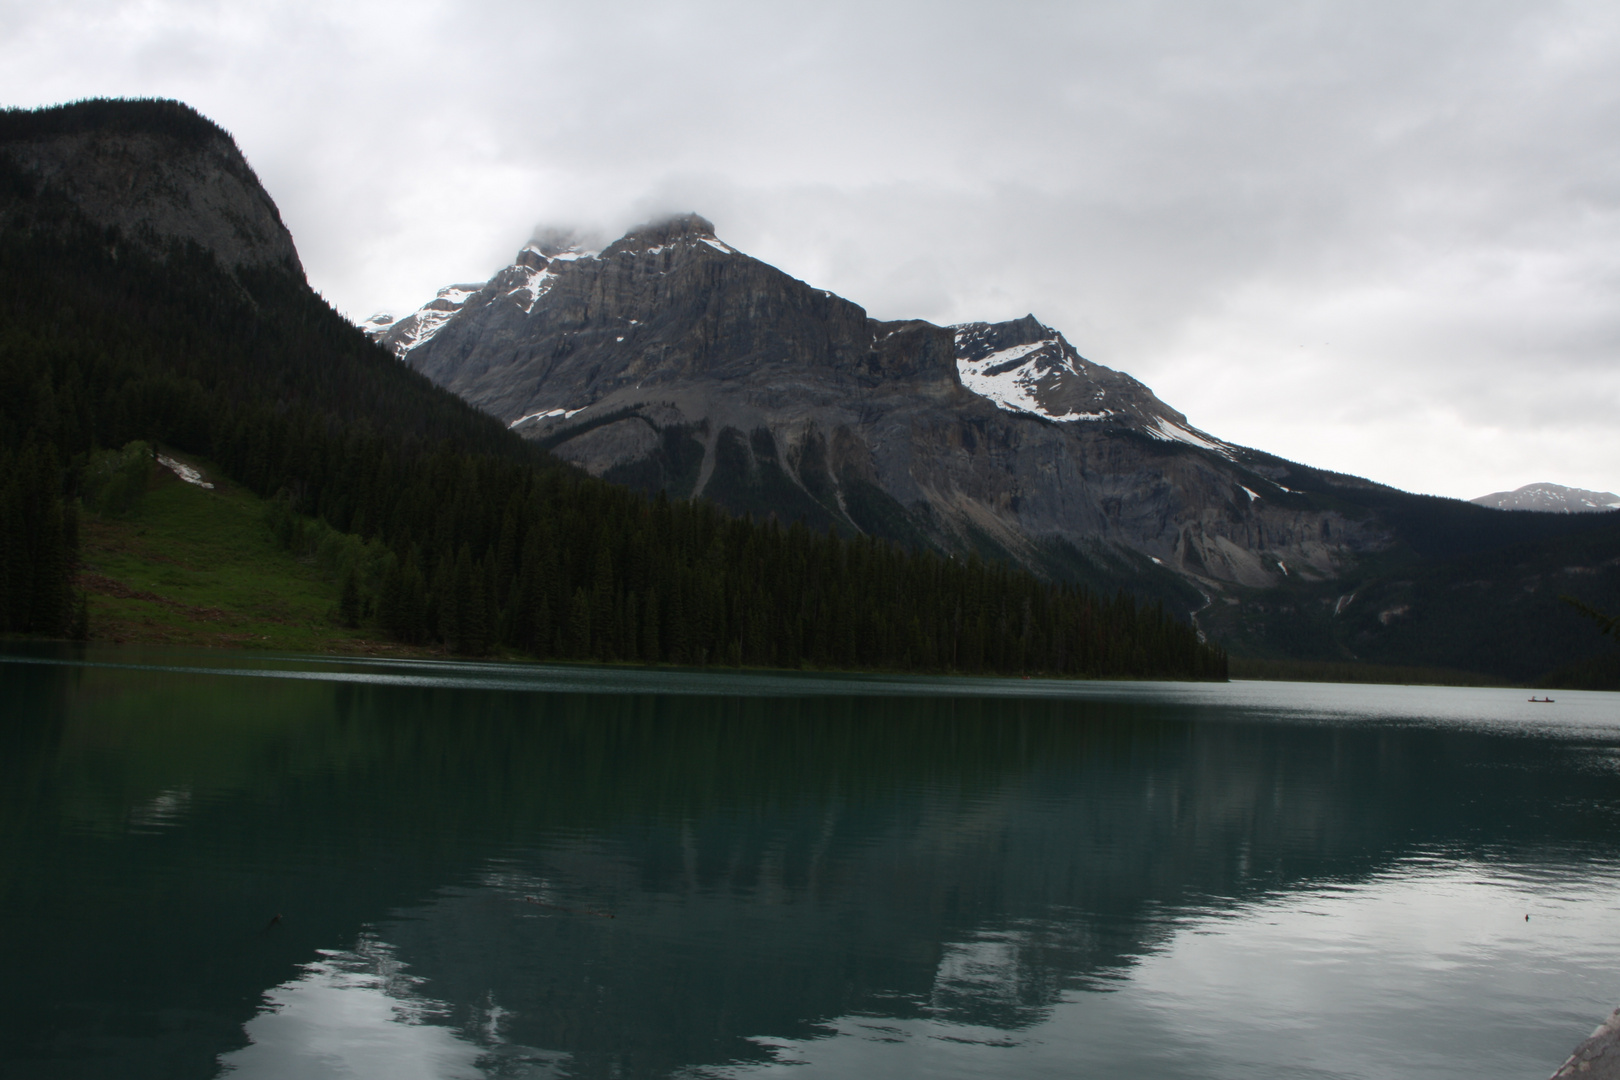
<point x="463" y="535"/>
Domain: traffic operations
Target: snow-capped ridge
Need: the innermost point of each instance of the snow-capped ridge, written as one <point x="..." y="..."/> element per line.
<point x="558" y="244"/>
<point x="1170" y="431"/>
<point x="1011" y="376"/>
<point x="663" y="234"/>
<point x="404" y="334"/>
<point x="1022" y="365"/>
<point x="1026" y="366"/>
<point x="548" y="254"/>
<point x="529" y="277"/>
<point x="545" y="414"/>
<point x="1551" y="499"/>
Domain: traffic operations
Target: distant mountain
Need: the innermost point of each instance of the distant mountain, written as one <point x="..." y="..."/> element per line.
<point x="1552" y="499"/>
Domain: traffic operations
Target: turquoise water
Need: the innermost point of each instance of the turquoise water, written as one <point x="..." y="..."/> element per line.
<point x="213" y="864"/>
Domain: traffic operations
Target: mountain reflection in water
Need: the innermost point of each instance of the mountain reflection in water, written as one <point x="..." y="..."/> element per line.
<point x="647" y="875"/>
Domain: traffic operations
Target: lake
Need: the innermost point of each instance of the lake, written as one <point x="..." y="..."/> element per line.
<point x="260" y="867"/>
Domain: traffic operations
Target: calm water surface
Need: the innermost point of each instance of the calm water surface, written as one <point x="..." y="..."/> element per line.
<point x="265" y="868"/>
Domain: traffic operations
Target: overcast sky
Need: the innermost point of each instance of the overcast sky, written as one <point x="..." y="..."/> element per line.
<point x="1382" y="238"/>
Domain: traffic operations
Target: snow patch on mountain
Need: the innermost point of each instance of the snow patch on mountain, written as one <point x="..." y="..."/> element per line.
<point x="524" y="282"/>
<point x="1012" y="377"/>
<point x="546" y="414"/>
<point x="1169" y="431"/>
<point x="571" y="253"/>
<point x="525" y="285"/>
<point x="1046" y="377"/>
<point x="184" y="471"/>
<point x="417" y="328"/>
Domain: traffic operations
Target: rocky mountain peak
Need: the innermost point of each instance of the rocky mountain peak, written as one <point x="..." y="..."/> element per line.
<point x="675" y="227"/>
<point x="991" y="337"/>
<point x="672" y="362"/>
<point x="157" y="171"/>
<point x="1025" y="366"/>
<point x="666" y="232"/>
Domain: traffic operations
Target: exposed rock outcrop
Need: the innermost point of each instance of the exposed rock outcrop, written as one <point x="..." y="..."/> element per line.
<point x="157" y="171"/>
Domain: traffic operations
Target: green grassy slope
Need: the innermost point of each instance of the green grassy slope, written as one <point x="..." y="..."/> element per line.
<point x="189" y="566"/>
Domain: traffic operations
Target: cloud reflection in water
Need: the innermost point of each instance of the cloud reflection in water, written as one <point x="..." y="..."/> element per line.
<point x="359" y="1015"/>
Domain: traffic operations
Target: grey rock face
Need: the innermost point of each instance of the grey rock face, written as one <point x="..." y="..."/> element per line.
<point x="1598" y="1058"/>
<point x="1552" y="499"/>
<point x="671" y="361"/>
<point x="159" y="187"/>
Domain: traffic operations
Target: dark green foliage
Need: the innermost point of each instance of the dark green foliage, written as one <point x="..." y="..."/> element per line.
<point x="1606" y="624"/>
<point x="114" y="480"/>
<point x="39" y="551"/>
<point x="1495" y="612"/>
<point x="349" y="600"/>
<point x="1446" y="528"/>
<point x="138" y="116"/>
<point x="1600" y="672"/>
<point x="1103" y="568"/>
<point x="442" y="527"/>
<point x="1423" y="526"/>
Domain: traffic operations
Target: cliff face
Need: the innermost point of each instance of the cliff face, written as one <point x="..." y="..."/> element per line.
<point x="155" y="170"/>
<point x="672" y="362"/>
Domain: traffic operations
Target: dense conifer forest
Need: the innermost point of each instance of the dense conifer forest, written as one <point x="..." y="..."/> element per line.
<point x="461" y="535"/>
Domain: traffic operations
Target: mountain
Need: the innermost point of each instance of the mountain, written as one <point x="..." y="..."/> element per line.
<point x="672" y="362"/>
<point x="156" y="175"/>
<point x="152" y="303"/>
<point x="1551" y="499"/>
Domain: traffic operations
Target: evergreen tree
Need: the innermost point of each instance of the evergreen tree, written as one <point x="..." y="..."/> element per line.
<point x="604" y="641"/>
<point x="579" y="624"/>
<point x="349" y="600"/>
<point x="651" y="638"/>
